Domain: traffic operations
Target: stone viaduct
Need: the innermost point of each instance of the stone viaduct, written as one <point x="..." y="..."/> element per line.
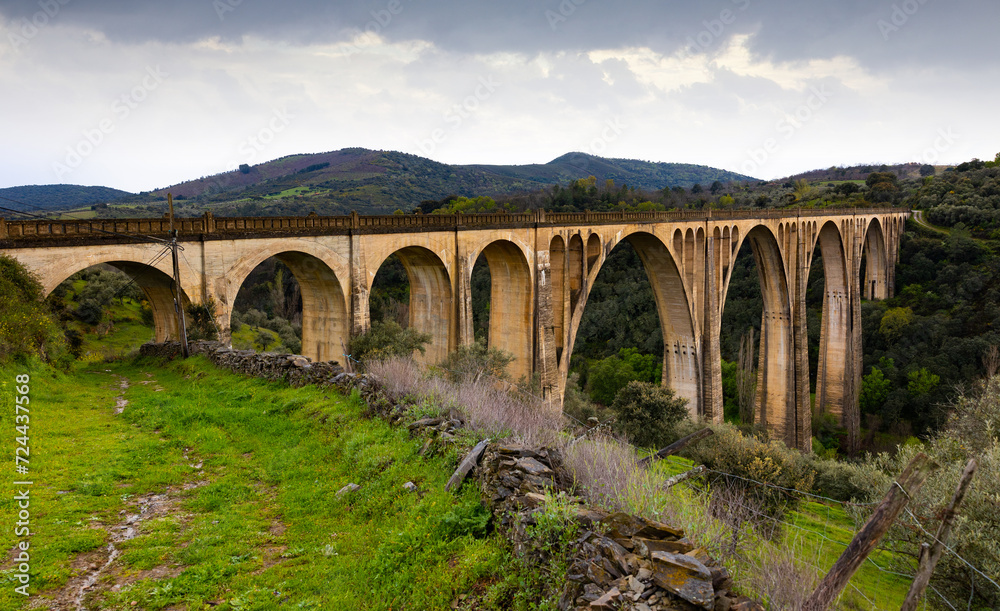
<point x="542" y="266"/>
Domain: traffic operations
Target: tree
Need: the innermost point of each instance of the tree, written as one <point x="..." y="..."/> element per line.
<point x="610" y="375"/>
<point x="927" y="170"/>
<point x="922" y="382"/>
<point x="696" y="188"/>
<point x="716" y="187"/>
<point x="746" y="377"/>
<point x="647" y="414"/>
<point x="874" y="391"/>
<point x="894" y="321"/>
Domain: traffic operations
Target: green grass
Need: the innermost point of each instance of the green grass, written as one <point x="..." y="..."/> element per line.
<point x="820" y="533"/>
<point x="125" y="333"/>
<point x="266" y="526"/>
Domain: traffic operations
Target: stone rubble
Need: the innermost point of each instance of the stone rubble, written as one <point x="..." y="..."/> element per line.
<point x="619" y="561"/>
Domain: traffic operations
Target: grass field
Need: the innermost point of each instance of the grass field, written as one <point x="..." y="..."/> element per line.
<point x="233" y="487"/>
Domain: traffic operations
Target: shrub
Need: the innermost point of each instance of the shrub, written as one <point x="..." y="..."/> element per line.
<point x="201" y="321"/>
<point x="387" y="339"/>
<point x="25" y="327"/>
<point x="475" y="362"/>
<point x="610" y="375"/>
<point x="750" y="459"/>
<point x="647" y="414"/>
<point x="89" y="312"/>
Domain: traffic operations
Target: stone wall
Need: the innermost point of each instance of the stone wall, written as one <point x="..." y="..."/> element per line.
<point x="296" y="369"/>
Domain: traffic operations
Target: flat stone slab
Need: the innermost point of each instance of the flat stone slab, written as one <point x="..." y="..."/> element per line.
<point x="685" y="577"/>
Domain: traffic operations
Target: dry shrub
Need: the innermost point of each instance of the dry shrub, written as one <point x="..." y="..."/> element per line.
<point x="608" y="473"/>
<point x="488" y="407"/>
<point x="779" y="578"/>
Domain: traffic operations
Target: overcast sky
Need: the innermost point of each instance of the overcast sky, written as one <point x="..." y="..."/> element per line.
<point x="143" y="94"/>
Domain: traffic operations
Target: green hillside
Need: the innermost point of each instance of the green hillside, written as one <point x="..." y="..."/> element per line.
<point x="57" y="197"/>
<point x="376" y="182"/>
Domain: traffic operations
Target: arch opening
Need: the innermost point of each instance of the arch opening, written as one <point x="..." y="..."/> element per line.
<point x="875" y="272"/>
<point x="645" y="313"/>
<point x="774" y="396"/>
<point x="106" y="297"/>
<point x="829" y="333"/>
<point x="430" y="306"/>
<point x="501" y="302"/>
<point x="306" y="302"/>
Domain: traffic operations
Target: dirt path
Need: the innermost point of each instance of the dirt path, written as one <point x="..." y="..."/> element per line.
<point x="96" y="571"/>
<point x="918" y="218"/>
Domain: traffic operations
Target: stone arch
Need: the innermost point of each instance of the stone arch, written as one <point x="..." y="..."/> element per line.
<point x="577" y="281"/>
<point x="875" y="284"/>
<point x="593" y="250"/>
<point x="431" y="299"/>
<point x="511" y="298"/>
<point x="681" y="362"/>
<point x="325" y="321"/>
<point x="775" y="405"/>
<point x="557" y="269"/>
<point x="834" y="373"/>
<point x="155" y="283"/>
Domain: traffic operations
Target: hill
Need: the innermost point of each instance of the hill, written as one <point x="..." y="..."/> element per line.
<point x="382" y="181"/>
<point x="58" y="197"/>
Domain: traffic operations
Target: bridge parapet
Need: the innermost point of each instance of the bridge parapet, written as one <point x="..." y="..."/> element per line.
<point x="21" y="233"/>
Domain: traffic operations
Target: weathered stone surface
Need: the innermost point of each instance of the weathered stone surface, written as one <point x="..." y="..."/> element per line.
<point x="623" y="526"/>
<point x="684" y="576"/>
<point x="607" y="602"/>
<point x="410" y="487"/>
<point x="466" y="465"/>
<point x="352" y="487"/>
<point x="532" y="466"/>
<point x="644" y="547"/>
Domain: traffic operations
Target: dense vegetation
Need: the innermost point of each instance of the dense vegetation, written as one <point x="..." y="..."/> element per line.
<point x="37" y="198"/>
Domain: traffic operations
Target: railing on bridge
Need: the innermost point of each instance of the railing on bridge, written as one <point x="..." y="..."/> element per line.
<point x="208" y="224"/>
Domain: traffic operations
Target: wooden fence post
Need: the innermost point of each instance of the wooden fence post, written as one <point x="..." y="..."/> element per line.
<point x="677" y="446"/>
<point x="906" y="486"/>
<point x="929" y="559"/>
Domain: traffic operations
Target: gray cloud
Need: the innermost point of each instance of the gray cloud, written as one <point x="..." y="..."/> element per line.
<point x="958" y="33"/>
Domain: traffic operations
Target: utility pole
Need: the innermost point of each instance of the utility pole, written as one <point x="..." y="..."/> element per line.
<point x="178" y="306"/>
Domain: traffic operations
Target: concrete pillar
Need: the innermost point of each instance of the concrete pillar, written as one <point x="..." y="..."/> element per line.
<point x="803" y="410"/>
<point x="360" y="318"/>
<point x="711" y="351"/>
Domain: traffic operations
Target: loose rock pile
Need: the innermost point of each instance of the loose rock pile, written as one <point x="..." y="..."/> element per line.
<point x="619" y="561"/>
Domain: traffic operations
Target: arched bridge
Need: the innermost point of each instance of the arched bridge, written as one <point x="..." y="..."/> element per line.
<point x="542" y="266"/>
